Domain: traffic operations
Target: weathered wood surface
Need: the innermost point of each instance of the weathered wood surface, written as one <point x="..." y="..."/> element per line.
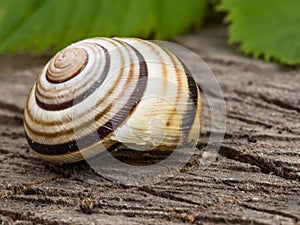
<point x="255" y="179"/>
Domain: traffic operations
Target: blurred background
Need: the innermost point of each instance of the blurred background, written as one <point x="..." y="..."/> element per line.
<point x="266" y="29"/>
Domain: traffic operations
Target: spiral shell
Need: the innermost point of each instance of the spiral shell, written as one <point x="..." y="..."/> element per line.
<point x="126" y="90"/>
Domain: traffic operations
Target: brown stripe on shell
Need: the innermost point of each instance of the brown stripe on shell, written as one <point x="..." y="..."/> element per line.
<point x="70" y="62"/>
<point x="86" y="124"/>
<point x="53" y="91"/>
<point x="164" y="68"/>
<point x="105" y="130"/>
<point x="179" y="84"/>
<point x="106" y="68"/>
<point x="67" y="132"/>
<point x="55" y="123"/>
<point x="165" y="73"/>
<point x="84" y="95"/>
<point x="188" y="118"/>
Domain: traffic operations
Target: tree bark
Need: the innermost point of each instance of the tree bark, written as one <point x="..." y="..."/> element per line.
<point x="254" y="180"/>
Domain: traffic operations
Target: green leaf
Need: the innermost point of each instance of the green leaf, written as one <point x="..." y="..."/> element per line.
<point x="38" y="25"/>
<point x="265" y="28"/>
<point x="175" y="18"/>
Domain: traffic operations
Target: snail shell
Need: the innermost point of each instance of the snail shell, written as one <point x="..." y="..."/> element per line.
<point x="117" y="87"/>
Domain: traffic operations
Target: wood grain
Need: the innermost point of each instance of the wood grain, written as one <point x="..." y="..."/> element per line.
<point x="254" y="180"/>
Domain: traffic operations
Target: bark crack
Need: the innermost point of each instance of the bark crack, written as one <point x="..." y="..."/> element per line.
<point x="266" y="166"/>
<point x="279" y="103"/>
<point x="271" y="211"/>
<point x="166" y="195"/>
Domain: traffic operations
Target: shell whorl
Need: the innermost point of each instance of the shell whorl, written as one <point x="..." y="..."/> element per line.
<point x="116" y="87"/>
<point x="66" y="65"/>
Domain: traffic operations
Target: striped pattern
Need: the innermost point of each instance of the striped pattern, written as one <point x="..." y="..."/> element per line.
<point x="99" y="92"/>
